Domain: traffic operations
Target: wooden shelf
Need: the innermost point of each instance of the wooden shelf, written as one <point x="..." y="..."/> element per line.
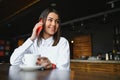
<point x="82" y="46"/>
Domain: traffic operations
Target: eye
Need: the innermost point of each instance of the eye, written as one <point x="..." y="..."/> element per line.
<point x="58" y="21"/>
<point x="50" y="20"/>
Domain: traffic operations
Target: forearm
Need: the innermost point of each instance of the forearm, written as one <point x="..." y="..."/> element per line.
<point x="17" y="55"/>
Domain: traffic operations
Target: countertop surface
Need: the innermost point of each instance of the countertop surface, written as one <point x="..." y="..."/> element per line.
<point x="8" y="72"/>
<point x="95" y="61"/>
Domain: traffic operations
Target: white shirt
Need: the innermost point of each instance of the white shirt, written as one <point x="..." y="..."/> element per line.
<point x="59" y="54"/>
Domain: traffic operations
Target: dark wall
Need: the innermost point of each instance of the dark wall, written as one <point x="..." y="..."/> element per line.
<point x="102" y="33"/>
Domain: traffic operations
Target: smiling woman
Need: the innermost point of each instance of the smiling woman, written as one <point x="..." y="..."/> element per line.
<point x="54" y="50"/>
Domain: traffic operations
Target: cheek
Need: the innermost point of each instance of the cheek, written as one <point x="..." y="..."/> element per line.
<point x="57" y="27"/>
<point x="47" y="25"/>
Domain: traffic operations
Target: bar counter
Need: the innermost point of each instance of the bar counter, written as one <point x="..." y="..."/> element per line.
<point x="95" y="61"/>
<point x="8" y="72"/>
<point x="96" y="65"/>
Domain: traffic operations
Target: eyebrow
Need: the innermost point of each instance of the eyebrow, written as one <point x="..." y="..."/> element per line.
<point x="53" y="18"/>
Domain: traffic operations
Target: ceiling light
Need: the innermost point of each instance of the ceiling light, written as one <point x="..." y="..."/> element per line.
<point x="53" y="4"/>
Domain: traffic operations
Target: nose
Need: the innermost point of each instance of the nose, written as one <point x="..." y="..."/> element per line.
<point x="53" y="23"/>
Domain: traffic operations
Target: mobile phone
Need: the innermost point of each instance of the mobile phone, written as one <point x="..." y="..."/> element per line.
<point x="39" y="29"/>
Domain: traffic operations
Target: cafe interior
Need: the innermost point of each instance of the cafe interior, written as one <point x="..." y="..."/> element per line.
<point x="92" y="28"/>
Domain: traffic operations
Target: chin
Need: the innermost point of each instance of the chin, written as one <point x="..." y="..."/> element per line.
<point x="52" y="33"/>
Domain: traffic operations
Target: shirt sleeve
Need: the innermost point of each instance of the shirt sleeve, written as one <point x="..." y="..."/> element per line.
<point x="63" y="61"/>
<point x="17" y="55"/>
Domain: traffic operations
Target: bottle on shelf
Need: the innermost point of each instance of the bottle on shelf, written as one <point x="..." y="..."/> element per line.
<point x="111" y="56"/>
<point x="107" y="56"/>
<point x="116" y="41"/>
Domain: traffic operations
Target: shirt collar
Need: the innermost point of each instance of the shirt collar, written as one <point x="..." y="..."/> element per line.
<point x="47" y="42"/>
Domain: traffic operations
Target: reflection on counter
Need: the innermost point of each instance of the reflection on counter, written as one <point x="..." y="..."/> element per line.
<point x="55" y="74"/>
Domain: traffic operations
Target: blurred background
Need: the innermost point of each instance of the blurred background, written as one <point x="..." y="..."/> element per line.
<point x="91" y="26"/>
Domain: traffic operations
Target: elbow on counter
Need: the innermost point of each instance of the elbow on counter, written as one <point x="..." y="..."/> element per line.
<point x="15" y="61"/>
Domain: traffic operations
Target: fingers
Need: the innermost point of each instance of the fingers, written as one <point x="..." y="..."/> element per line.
<point x="44" y="61"/>
<point x="49" y="66"/>
<point x="39" y="29"/>
<point x="36" y="30"/>
<point x="38" y="61"/>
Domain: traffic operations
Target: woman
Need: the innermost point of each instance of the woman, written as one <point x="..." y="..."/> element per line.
<point x="54" y="50"/>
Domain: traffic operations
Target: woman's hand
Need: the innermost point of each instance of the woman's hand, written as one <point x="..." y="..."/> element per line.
<point x="45" y="62"/>
<point x="34" y="32"/>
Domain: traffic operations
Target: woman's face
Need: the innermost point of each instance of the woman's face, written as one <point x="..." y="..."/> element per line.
<point x="51" y="25"/>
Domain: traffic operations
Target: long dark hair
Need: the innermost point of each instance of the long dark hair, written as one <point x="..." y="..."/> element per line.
<point x="43" y="16"/>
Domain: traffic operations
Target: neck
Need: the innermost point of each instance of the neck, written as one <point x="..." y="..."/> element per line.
<point x="46" y="36"/>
